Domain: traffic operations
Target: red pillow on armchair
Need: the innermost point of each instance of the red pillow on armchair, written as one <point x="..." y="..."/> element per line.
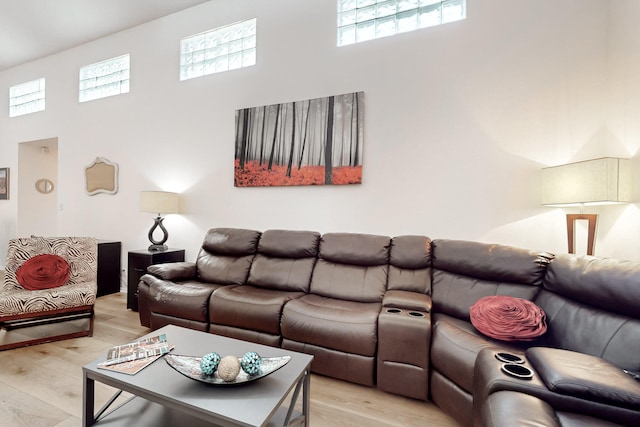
<point x="508" y="318"/>
<point x="43" y="272"/>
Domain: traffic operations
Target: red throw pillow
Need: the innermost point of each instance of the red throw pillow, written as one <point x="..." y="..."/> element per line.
<point x="508" y="318"/>
<point x="43" y="272"/>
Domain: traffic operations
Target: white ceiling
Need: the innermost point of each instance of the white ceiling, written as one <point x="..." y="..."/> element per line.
<point x="32" y="29"/>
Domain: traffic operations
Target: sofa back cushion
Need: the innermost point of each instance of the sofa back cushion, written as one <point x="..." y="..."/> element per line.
<point x="226" y="255"/>
<point x="289" y="244"/>
<point x="464" y="272"/>
<point x="285" y="260"/>
<point x="592" y="306"/>
<point x="410" y="264"/>
<point x="352" y="267"/>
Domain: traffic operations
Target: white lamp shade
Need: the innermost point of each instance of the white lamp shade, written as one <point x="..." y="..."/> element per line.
<point x="599" y="181"/>
<point x="159" y="202"/>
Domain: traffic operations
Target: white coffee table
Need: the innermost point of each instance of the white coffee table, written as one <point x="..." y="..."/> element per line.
<point x="164" y="397"/>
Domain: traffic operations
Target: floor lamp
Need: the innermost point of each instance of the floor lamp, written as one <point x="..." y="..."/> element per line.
<point x="600" y="181"/>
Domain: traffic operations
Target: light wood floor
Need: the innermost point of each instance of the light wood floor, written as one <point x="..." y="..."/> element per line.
<point x="42" y="385"/>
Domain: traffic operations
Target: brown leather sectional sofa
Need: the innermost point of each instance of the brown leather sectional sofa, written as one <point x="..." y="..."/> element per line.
<point x="394" y="313"/>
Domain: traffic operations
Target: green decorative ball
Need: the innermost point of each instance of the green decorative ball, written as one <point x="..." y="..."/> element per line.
<point x="250" y="363"/>
<point x="209" y="363"/>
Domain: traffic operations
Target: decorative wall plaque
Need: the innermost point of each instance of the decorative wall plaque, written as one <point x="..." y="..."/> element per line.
<point x="101" y="177"/>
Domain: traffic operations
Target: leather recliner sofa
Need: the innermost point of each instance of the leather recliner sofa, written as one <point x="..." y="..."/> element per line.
<point x="394" y="313"/>
<point x="304" y="292"/>
<point x="592" y="308"/>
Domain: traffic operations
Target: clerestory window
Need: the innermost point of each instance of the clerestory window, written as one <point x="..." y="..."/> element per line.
<point x="362" y="20"/>
<point x="105" y="78"/>
<point x="25" y="98"/>
<point x="218" y="50"/>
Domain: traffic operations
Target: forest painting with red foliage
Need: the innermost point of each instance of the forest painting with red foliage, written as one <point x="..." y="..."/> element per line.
<point x="313" y="142"/>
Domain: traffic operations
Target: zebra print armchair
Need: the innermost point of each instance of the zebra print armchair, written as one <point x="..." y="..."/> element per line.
<point x="49" y="290"/>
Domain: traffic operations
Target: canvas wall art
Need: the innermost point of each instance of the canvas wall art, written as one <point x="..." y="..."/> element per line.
<point x="312" y="142"/>
<point x="4" y="183"/>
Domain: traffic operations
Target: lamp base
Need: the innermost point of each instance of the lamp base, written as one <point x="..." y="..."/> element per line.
<point x="157" y="248"/>
<point x="158" y="245"/>
<point x="591" y="232"/>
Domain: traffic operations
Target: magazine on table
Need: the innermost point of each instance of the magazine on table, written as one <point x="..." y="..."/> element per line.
<point x="133" y="357"/>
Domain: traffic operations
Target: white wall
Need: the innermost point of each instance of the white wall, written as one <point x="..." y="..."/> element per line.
<point x="459" y="120"/>
<point x="623" y="118"/>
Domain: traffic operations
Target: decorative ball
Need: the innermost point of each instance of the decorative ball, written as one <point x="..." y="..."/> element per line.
<point x="229" y="368"/>
<point x="250" y="362"/>
<point x="209" y="363"/>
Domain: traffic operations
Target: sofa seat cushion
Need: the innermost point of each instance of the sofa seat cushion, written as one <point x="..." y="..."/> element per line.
<point x="24" y="302"/>
<point x="455" y="345"/>
<point x="188" y="300"/>
<point x="341" y="325"/>
<point x="249" y="307"/>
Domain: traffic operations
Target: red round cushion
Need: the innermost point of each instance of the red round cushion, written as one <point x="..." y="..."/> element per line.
<point x="508" y="318"/>
<point x="43" y="272"/>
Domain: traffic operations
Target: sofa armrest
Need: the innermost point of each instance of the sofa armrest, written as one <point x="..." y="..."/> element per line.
<point x="407" y="300"/>
<point x="174" y="271"/>
<point x="585" y="376"/>
<point x="488" y="379"/>
<point x="510" y="408"/>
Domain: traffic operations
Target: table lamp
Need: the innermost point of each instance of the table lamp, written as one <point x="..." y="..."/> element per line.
<point x="600" y="181"/>
<point x="159" y="202"/>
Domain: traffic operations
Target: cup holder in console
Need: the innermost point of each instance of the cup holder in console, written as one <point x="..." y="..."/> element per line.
<point x="517" y="370"/>
<point x="416" y="314"/>
<point x="509" y="358"/>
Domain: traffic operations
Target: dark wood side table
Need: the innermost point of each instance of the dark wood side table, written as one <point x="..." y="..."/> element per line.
<point x="138" y="262"/>
<point x="109" y="263"/>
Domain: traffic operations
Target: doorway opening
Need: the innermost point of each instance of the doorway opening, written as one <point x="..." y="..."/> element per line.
<point x="37" y="188"/>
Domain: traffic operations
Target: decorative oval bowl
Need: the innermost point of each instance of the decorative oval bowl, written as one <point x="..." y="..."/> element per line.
<point x="189" y="366"/>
